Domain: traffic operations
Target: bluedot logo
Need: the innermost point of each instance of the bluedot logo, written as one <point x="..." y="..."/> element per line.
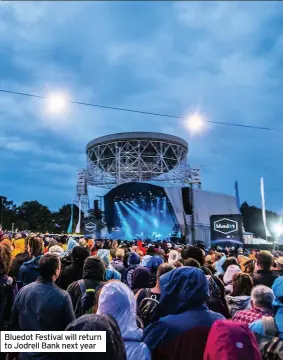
<point x="225" y="226"/>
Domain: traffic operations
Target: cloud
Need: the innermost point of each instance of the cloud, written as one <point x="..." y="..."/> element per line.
<point x="220" y="57"/>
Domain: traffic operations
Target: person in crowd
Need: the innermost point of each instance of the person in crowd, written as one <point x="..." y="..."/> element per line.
<point x="150" y="250"/>
<point x="19" y="259"/>
<point x="74" y="271"/>
<point x="117" y="261"/>
<point x="258" y="325"/>
<point x="173" y="256"/>
<point x="6" y="240"/>
<point x="133" y="263"/>
<point x="264" y="275"/>
<point x="117" y="300"/>
<point x="194" y="252"/>
<point x="240" y="298"/>
<point x="231" y="260"/>
<point x="70" y="245"/>
<point x="55" y="250"/>
<point x="155" y="292"/>
<point x="29" y="271"/>
<point x="62" y="241"/>
<point x="141" y="247"/>
<point x="145" y="260"/>
<point x="93" y="277"/>
<point x="184" y="319"/>
<point x="83" y="242"/>
<point x="216" y="301"/>
<point x="177" y="264"/>
<point x="42" y="306"/>
<point x="250" y="268"/>
<point x="261" y="303"/>
<point x="111" y="273"/>
<point x="228" y="340"/>
<point x="19" y="245"/>
<point x="51" y="242"/>
<point x="230" y="271"/>
<point x="141" y="278"/>
<point x="115" y="348"/>
<point x="153" y="265"/>
<point x="279" y="266"/>
<point x="8" y="286"/>
<point x="192" y="262"/>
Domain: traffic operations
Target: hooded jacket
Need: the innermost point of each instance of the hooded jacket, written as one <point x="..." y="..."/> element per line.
<point x="19" y="247"/>
<point x="74" y="271"/>
<point x="257" y="326"/>
<point x="111" y="273"/>
<point x="230" y="340"/>
<point x="117" y="300"/>
<point x="18" y="262"/>
<point x="29" y="271"/>
<point x="114" y="344"/>
<point x="133" y="263"/>
<point x="93" y="276"/>
<point x="229" y="273"/>
<point x="237" y="303"/>
<point x="184" y="323"/>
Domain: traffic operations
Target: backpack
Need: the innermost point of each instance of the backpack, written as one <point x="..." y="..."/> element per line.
<point x="86" y="301"/>
<point x="6" y="303"/>
<point x="147" y="309"/>
<point x="270" y="346"/>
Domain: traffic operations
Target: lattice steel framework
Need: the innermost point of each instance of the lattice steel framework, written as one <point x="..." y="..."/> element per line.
<point x="81" y="191"/>
<point x="153" y="159"/>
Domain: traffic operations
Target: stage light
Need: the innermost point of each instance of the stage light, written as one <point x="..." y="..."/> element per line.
<point x="278" y="228"/>
<point x="56" y="103"/>
<point x="195" y="122"/>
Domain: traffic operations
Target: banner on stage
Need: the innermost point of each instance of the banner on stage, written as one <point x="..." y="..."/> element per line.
<point x="226" y="229"/>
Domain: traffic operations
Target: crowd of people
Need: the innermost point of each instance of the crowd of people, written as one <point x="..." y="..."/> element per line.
<point x="155" y="301"/>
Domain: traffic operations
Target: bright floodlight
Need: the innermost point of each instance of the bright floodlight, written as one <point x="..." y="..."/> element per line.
<point x="56" y="103"/>
<point x="195" y="122"/>
<point x="278" y="228"/>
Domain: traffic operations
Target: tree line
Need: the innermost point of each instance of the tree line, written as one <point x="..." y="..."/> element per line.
<point x="34" y="216"/>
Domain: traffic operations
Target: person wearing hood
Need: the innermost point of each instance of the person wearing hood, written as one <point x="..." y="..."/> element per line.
<point x="140" y="278"/>
<point x="230" y="271"/>
<point x="184" y="319"/>
<point x="73" y="272"/>
<point x="117" y="300"/>
<point x="133" y="263"/>
<point x="153" y="264"/>
<point x="228" y="340"/>
<point x="115" y="348"/>
<point x="42" y="306"/>
<point x="141" y="247"/>
<point x="216" y="301"/>
<point x="93" y="277"/>
<point x="29" y="271"/>
<point x="20" y="259"/>
<point x="257" y="326"/>
<point x="117" y="261"/>
<point x="19" y="245"/>
<point x="111" y="273"/>
<point x="240" y="298"/>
